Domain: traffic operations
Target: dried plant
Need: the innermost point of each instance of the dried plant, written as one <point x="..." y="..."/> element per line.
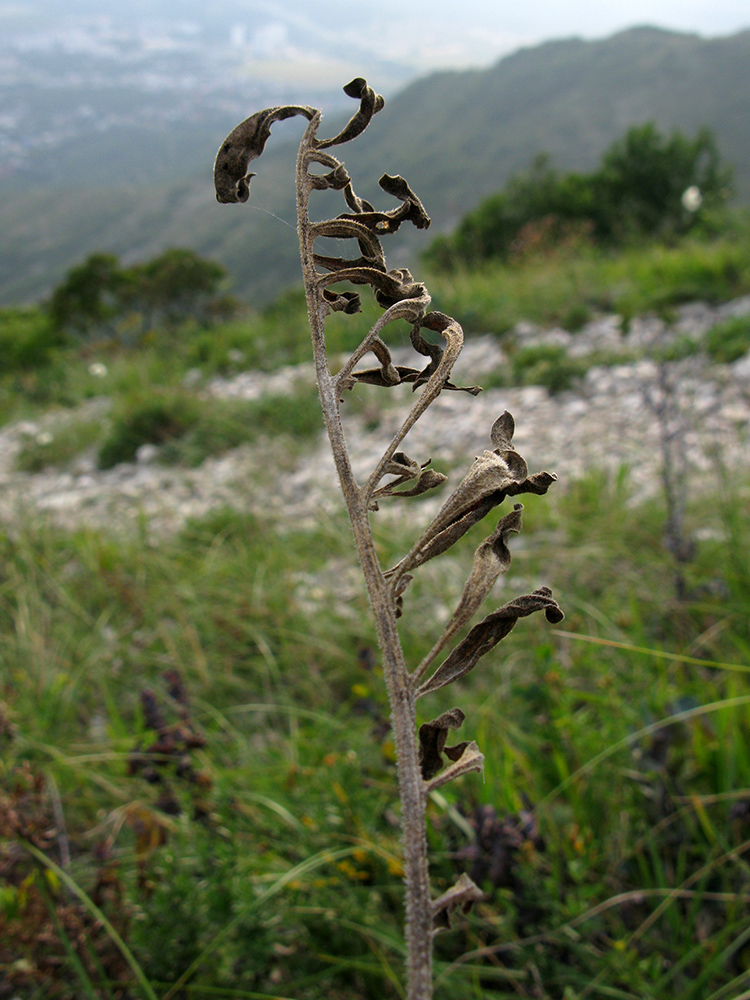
<point x="425" y="760"/>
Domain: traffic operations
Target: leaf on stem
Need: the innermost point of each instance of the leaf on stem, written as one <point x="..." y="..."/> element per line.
<point x="406" y="469"/>
<point x="488" y="633"/>
<point x="463" y="893"/>
<point x="432" y="738"/>
<point x="369" y="104"/>
<point x="491" y="559"/>
<point x="471" y="759"/>
<point x="245" y="143"/>
<point x="453" y="335"/>
<point x="337" y="179"/>
<point x="398" y="594"/>
<point x="346" y="302"/>
<point x="494" y="476"/>
<point x="412" y="210"/>
<point x="439" y="322"/>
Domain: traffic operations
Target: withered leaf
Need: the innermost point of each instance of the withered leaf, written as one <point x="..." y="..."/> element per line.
<point x="374" y="376"/>
<point x="398" y="593"/>
<point x="447" y="328"/>
<point x="463" y="893"/>
<point x="387" y="222"/>
<point x="350" y="229"/>
<point x="428" y="480"/>
<point x="336" y="179"/>
<point x="342" y="264"/>
<point x="245" y="143"/>
<point x="471" y="759"/>
<point x="346" y="302"/>
<point x="389" y="286"/>
<point x="494" y="476"/>
<point x="491" y="559"/>
<point x="502" y="432"/>
<point x="432" y="737"/>
<point x="488" y="633"/>
<point x="369" y="104"/>
<point x="405" y="469"/>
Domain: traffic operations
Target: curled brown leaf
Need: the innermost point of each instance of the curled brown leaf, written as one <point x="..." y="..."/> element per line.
<point x="432" y="738"/>
<point x="464" y="893"/>
<point x="491" y="559"/>
<point x="369" y="104"/>
<point x="488" y="633"/>
<point x="494" y="476"/>
<point x="245" y="143"/>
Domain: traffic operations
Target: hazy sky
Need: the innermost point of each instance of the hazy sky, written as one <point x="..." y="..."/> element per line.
<point x="393" y="41"/>
<point x="476" y="32"/>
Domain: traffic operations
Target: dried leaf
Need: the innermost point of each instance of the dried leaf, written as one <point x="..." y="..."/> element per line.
<point x="453" y="335"/>
<point x="463" y="893"/>
<point x="406" y="469"/>
<point x="488" y="633"/>
<point x="346" y="302"/>
<point x="502" y="432"/>
<point x="370" y="104"/>
<point x="245" y="143"/>
<point x="350" y="229"/>
<point x="337" y="179"/>
<point x="374" y="376"/>
<point x="494" y="476"/>
<point x="384" y="223"/>
<point x="398" y="593"/>
<point x="491" y="559"/>
<point x="342" y="264"/>
<point x="389" y="286"/>
<point x="428" y="480"/>
<point x="471" y="759"/>
<point x="432" y="737"/>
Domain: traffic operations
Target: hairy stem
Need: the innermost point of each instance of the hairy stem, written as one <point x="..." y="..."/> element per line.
<point x="412" y="791"/>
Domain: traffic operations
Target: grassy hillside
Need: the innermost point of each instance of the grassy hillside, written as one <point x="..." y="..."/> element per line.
<point x="197" y="782"/>
<point x="455" y="136"/>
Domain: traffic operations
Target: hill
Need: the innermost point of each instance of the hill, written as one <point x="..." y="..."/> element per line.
<point x="456" y="136"/>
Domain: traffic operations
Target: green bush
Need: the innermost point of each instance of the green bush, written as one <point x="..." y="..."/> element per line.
<point x="730" y="340"/>
<point x="58" y="447"/>
<point x="637" y="191"/>
<point x="147" y="421"/>
<point x="188" y="429"/>
<point x="27" y="339"/>
<point x="100" y="298"/>
<point x="224" y="424"/>
<point x="547" y="365"/>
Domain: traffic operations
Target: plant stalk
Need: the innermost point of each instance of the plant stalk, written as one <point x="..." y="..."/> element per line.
<point x="412" y="794"/>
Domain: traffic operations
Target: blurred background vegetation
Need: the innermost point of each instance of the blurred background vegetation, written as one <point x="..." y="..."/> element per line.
<point x="197" y="785"/>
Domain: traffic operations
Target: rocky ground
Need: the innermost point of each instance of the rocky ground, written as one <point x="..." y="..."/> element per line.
<point x="619" y="415"/>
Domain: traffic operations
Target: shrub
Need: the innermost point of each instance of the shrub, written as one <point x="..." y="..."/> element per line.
<point x="27" y="339"/>
<point x="729" y="340"/>
<point x="547" y="365"/>
<point x="147" y="421"/>
<point x="637" y="191"/>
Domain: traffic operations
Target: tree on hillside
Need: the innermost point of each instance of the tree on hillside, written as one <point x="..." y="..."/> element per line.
<point x="101" y="298"/>
<point x="89" y="299"/>
<point x="176" y="286"/>
<point x="637" y="191"/>
<point x="643" y="177"/>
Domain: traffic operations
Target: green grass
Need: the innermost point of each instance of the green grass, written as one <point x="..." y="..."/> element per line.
<point x="256" y="853"/>
<point x="280" y="875"/>
<point x="566" y="287"/>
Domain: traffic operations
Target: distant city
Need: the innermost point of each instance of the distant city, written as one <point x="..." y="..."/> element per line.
<point x="66" y="82"/>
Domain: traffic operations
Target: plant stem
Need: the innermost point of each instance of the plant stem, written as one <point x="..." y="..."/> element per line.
<point x="418" y="924"/>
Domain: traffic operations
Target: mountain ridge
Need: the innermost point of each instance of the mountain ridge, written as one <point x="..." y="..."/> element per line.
<point x="456" y="135"/>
